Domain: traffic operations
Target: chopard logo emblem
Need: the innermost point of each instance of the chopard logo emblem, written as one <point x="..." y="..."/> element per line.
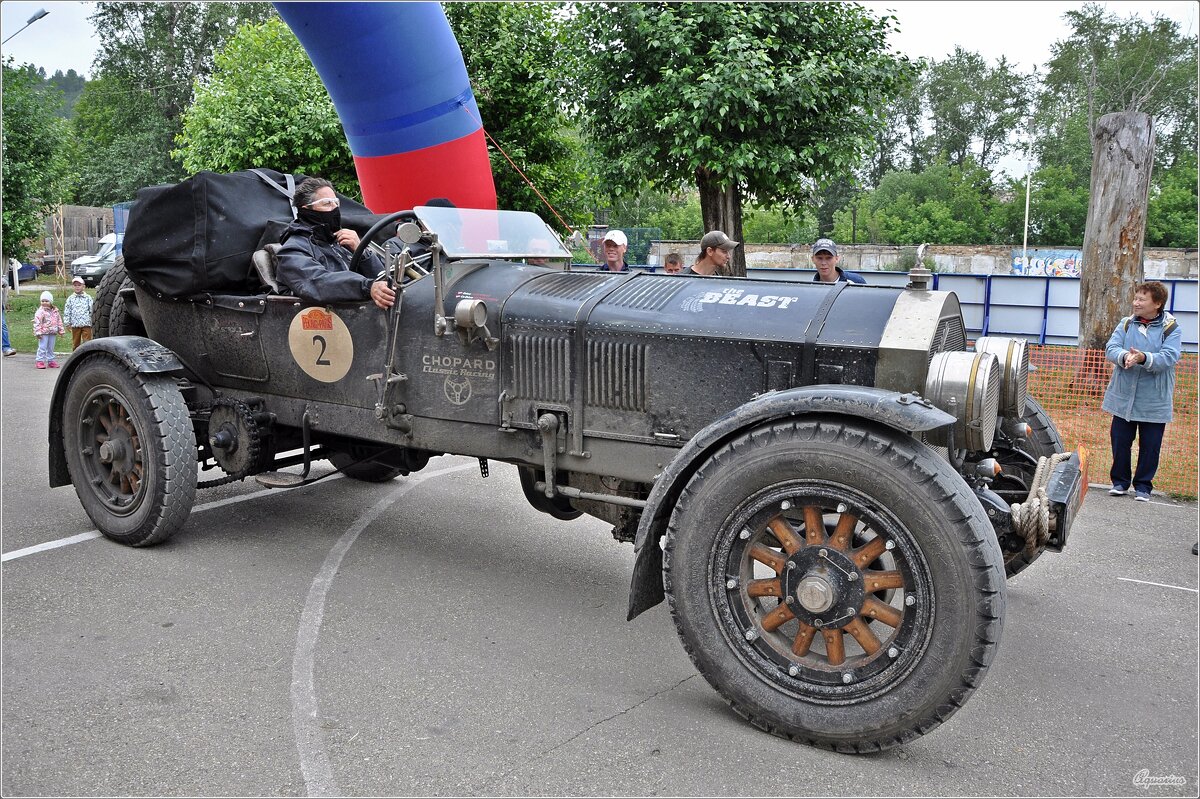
<point x="316" y="319"/>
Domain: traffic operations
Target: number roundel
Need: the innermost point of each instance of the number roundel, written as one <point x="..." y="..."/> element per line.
<point x="321" y="345"/>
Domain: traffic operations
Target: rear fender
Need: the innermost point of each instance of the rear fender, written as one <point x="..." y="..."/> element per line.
<point x="907" y="413"/>
<point x="137" y="354"/>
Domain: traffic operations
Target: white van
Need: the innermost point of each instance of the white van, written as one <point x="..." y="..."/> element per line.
<point x="92" y="267"/>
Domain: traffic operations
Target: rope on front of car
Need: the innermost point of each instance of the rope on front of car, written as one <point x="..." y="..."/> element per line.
<point x="1031" y="518"/>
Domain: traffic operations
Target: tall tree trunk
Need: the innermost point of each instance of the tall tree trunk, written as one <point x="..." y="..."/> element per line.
<point x="721" y="209"/>
<point x="1122" y="154"/>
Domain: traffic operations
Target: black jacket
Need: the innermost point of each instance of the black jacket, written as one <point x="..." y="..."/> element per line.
<point x="317" y="269"/>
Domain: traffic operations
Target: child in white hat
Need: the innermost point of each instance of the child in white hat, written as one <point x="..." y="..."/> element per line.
<point x="77" y="314"/>
<point x="47" y="326"/>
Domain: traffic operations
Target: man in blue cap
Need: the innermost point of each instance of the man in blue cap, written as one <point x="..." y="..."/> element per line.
<point x="825" y="259"/>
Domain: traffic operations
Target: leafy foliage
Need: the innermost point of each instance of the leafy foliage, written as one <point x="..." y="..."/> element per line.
<point x="151" y="55"/>
<point x="1171" y="218"/>
<point x="265" y="106"/>
<point x="35" y="157"/>
<point x="514" y="56"/>
<point x="785" y="98"/>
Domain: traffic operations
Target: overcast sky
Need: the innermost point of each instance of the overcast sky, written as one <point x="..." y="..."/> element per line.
<point x="1022" y="30"/>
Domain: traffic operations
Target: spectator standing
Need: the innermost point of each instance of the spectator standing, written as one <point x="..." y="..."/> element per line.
<point x="77" y="314"/>
<point x="715" y="249"/>
<point x="1144" y="347"/>
<point x="825" y="258"/>
<point x="674" y="264"/>
<point x="47" y="326"/>
<point x="615" y="244"/>
<point x="7" y="347"/>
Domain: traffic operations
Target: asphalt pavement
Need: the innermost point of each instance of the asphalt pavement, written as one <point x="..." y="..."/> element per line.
<point x="437" y="636"/>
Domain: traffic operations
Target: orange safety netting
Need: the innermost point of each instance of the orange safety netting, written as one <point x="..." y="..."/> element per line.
<point x="1070" y="382"/>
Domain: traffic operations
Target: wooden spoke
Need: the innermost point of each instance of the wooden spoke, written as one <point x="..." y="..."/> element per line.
<point x="814" y="526"/>
<point x="878" y="581"/>
<point x="868" y="552"/>
<point x="835" y="648"/>
<point x="882" y="611"/>
<point x="781" y="528"/>
<point x="769" y="558"/>
<point x="804" y="640"/>
<point x="780" y="615"/>
<point x="764" y="588"/>
<point x="862" y="633"/>
<point x="841" y="534"/>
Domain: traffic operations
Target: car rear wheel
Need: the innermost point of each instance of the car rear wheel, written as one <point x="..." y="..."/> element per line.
<point x="130" y="450"/>
<point x="836" y="582"/>
<point x="107" y="289"/>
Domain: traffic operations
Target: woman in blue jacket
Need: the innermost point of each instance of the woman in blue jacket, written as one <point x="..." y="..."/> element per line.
<point x="1144" y="348"/>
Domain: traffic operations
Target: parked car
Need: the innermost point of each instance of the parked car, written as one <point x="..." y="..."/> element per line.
<point x="22" y="272"/>
<point x="92" y="267"/>
<point x="824" y="483"/>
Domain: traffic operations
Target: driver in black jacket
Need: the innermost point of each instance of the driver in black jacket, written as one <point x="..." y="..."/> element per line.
<point x="314" y="259"/>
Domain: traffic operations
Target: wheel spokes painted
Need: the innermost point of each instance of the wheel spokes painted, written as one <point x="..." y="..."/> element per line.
<point x="804" y="639"/>
<point x="769" y="558"/>
<point x="880" y="581"/>
<point x="843" y="532"/>
<point x="779" y="616"/>
<point x="782" y="529"/>
<point x="759" y="588"/>
<point x="881" y="611"/>
<point x="869" y="552"/>
<point x="835" y="647"/>
<point x="814" y="526"/>
<point x="863" y="634"/>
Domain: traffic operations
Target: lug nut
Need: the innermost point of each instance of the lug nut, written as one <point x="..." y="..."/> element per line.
<point x="847" y="678"/>
<point x="890" y="545"/>
<point x="841" y="508"/>
<point x="893" y="652"/>
<point x="744" y="534"/>
<point x="910" y="600"/>
<point x="751" y="635"/>
<point x="793" y="670"/>
<point x="731" y="583"/>
<point x="785" y="505"/>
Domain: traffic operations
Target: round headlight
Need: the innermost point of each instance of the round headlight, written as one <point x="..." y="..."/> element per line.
<point x="967" y="386"/>
<point x="1013" y="354"/>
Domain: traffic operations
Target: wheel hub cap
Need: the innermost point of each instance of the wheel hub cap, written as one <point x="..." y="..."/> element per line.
<point x="815" y="594"/>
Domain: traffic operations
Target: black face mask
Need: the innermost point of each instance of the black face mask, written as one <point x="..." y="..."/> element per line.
<point x="330" y="219"/>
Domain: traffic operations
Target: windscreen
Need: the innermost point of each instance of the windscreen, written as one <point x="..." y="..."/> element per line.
<point x="482" y="233"/>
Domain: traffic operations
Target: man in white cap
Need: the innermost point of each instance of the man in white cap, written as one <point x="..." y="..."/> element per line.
<point x="715" y="249"/>
<point x="615" y="244"/>
<point x="825" y="259"/>
<point x="77" y="314"/>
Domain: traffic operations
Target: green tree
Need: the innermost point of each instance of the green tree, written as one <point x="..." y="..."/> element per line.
<point x="514" y="57"/>
<point x="1057" y="209"/>
<point x="264" y="105"/>
<point x="71" y="85"/>
<point x="974" y="107"/>
<point x="1171" y="218"/>
<point x="748" y="100"/>
<point x="150" y="57"/>
<point x="35" y="157"/>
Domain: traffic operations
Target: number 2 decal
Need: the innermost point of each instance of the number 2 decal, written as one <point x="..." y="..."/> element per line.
<point x="321" y="360"/>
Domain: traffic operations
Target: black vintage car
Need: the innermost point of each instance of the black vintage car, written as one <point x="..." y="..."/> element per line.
<point x="825" y="484"/>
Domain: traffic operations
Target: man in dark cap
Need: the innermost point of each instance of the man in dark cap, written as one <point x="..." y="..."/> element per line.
<point x="825" y="259"/>
<point x="715" y="249"/>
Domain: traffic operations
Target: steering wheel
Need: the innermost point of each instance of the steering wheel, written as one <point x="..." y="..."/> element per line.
<point x="390" y="219"/>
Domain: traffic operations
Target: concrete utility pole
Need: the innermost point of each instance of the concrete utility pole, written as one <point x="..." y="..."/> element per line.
<point x="1122" y="155"/>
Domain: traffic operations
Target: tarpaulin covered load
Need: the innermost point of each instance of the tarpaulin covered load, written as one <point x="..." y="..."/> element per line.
<point x="199" y="235"/>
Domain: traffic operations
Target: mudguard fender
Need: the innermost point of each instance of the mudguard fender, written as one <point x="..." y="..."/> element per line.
<point x="136" y="353"/>
<point x="907" y="413"/>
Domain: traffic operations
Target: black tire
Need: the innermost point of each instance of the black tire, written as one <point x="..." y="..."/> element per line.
<point x="927" y="538"/>
<point x="141" y="490"/>
<point x="368" y="471"/>
<point x="1044" y="442"/>
<point x="106" y="293"/>
<point x="120" y="321"/>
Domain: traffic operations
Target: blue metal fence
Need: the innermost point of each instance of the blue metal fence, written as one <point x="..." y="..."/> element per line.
<point x="1040" y="309"/>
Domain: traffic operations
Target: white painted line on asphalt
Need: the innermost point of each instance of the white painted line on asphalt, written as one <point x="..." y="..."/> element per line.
<point x="310" y="741"/>
<point x="1160" y="585"/>
<point x="61" y="542"/>
<point x="91" y="534"/>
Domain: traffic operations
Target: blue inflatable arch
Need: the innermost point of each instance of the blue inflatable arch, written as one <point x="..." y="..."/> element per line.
<point x="399" y="84"/>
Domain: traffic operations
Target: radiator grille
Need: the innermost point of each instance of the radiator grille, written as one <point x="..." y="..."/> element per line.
<point x="950" y="336"/>
<point x="541" y="367"/>
<point x="617" y="375"/>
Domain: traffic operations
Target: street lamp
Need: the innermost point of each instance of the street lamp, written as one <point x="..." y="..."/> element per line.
<point x="41" y="12"/>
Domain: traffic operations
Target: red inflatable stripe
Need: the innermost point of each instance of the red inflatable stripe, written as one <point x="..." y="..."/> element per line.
<point x="405" y="180"/>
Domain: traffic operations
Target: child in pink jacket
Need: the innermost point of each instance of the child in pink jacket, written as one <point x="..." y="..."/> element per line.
<point x="47" y="326"/>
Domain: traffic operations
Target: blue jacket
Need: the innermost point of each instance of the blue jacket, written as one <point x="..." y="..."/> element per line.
<point x="1144" y="392"/>
<point x="844" y="276"/>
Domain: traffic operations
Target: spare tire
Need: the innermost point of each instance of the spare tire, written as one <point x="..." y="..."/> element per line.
<point x="106" y="293"/>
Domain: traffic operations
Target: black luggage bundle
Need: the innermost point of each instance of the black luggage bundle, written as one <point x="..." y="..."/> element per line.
<point x="198" y="236"/>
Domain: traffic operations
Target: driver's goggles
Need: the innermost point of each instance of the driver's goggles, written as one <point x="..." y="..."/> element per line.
<point x="325" y="204"/>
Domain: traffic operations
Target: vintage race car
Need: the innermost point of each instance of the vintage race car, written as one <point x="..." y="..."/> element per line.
<point x="826" y="485"/>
